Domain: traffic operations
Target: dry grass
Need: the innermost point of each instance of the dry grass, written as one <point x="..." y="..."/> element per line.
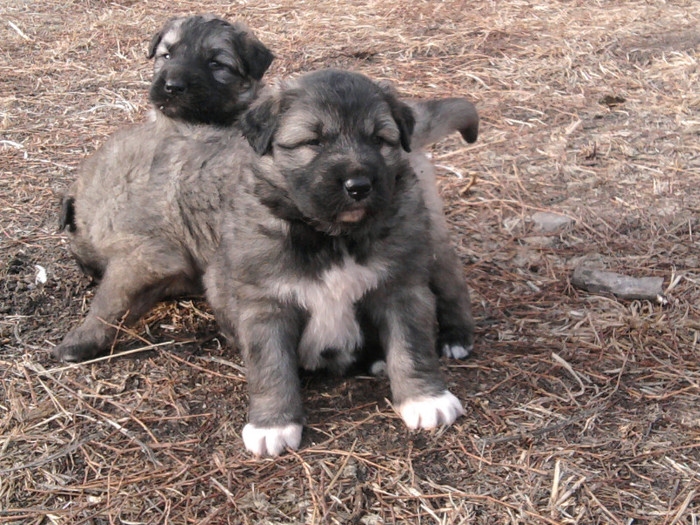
<point x="580" y="408"/>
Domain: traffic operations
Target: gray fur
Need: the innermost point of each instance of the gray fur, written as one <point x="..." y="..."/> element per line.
<point x="438" y="118"/>
<point x="124" y="213"/>
<point x="147" y="208"/>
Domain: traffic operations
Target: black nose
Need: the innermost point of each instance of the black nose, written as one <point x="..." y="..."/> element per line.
<point x="175" y="87"/>
<point x="358" y="188"/>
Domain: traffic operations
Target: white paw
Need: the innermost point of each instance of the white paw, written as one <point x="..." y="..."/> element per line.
<point x="457" y="351"/>
<point x="378" y="368"/>
<point x="430" y="412"/>
<point x="271" y="441"/>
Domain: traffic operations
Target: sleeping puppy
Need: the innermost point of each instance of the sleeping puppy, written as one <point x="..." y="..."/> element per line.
<point x="328" y="236"/>
<point x="119" y="211"/>
<point x="206" y="71"/>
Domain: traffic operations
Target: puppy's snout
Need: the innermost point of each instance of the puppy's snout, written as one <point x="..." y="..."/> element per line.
<point x="358" y="188"/>
<point x="175" y="86"/>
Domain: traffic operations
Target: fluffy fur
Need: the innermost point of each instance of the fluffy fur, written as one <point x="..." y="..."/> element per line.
<point x="147" y="207"/>
<point x="328" y="238"/>
<point x="208" y="70"/>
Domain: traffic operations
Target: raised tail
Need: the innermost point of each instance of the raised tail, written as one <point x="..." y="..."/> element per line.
<point x="437" y="118"/>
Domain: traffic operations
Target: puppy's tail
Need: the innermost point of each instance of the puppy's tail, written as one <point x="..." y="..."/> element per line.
<point x="437" y="118"/>
<point x="67" y="218"/>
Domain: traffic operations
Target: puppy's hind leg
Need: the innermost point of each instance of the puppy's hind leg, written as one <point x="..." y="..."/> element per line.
<point x="455" y="321"/>
<point x="418" y="389"/>
<point x="130" y="284"/>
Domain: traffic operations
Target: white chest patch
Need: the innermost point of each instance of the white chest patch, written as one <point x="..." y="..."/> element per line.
<point x="330" y="301"/>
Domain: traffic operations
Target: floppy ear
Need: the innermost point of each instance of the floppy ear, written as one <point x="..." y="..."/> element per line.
<point x="159" y="35"/>
<point x="154" y="44"/>
<point x="259" y="123"/>
<point x="255" y="55"/>
<point x="402" y="113"/>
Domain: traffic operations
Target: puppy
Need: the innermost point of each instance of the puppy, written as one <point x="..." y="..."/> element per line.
<point x="206" y="71"/>
<point x="328" y="236"/>
<point x="436" y="119"/>
<point x="147" y="208"/>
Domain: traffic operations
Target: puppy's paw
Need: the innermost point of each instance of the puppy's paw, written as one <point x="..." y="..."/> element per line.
<point x="271" y="441"/>
<point x="378" y="368"/>
<point x="430" y="412"/>
<point x="456" y="341"/>
<point x="74" y="352"/>
<point x="456" y="351"/>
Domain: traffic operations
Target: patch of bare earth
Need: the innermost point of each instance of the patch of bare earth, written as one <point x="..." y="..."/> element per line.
<point x="580" y="408"/>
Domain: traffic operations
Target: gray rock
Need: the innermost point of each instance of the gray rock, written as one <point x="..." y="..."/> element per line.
<point x="551" y="222"/>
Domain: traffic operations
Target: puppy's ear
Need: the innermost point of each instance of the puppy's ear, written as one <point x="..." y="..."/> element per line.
<point x="259" y="123"/>
<point x="402" y="113"/>
<point x="255" y="55"/>
<point x="154" y="44"/>
<point x="159" y="36"/>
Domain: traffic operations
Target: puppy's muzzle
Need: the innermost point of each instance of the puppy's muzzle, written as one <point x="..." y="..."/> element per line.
<point x="358" y="188"/>
<point x="175" y="86"/>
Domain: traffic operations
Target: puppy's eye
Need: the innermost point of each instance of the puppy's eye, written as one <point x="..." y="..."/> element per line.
<point x="378" y="140"/>
<point x="165" y="56"/>
<point x="313" y="143"/>
<point x="215" y="65"/>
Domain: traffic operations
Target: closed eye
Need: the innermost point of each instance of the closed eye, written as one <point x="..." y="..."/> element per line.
<point x="379" y="139"/>
<point x="312" y="143"/>
<point x="292" y="143"/>
<point x="222" y="62"/>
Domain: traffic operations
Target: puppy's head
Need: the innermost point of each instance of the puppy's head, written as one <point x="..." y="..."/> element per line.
<point x="206" y="70"/>
<point x="335" y="139"/>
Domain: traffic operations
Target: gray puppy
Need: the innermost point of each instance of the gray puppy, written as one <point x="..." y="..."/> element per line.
<point x="328" y="237"/>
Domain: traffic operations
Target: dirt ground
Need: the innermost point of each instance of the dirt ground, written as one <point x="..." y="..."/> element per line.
<point x="581" y="407"/>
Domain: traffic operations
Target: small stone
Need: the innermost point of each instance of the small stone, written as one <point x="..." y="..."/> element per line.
<point x="551" y="222"/>
<point x="539" y="241"/>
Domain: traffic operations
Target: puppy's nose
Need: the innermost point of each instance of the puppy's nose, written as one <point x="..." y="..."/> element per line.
<point x="358" y="188"/>
<point x="175" y="86"/>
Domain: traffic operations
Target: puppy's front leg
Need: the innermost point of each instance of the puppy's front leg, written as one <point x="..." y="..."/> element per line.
<point x="418" y="389"/>
<point x="269" y="335"/>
